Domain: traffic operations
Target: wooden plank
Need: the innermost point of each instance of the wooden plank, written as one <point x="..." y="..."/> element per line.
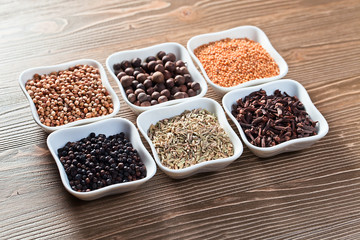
<point x="292" y="190"/>
<point x="310" y="194"/>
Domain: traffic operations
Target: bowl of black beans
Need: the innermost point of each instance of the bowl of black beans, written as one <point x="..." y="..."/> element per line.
<point x="159" y="75"/>
<point x="275" y="117"/>
<point x="100" y="159"/>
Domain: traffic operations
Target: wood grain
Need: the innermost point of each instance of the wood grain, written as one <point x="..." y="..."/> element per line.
<point x="309" y="194"/>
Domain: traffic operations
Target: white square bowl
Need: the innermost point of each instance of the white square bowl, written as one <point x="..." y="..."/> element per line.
<point x="146" y="119"/>
<point x="292" y="88"/>
<point x="29" y="73"/>
<point x="113" y="126"/>
<point x="250" y="32"/>
<point x="181" y="54"/>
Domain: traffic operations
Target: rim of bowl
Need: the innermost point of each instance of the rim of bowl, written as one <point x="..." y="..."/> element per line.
<point x="107" y="189"/>
<point x="62" y="66"/>
<point x="322" y="123"/>
<point x="222" y="35"/>
<point x="222" y="121"/>
<point x="157" y="48"/>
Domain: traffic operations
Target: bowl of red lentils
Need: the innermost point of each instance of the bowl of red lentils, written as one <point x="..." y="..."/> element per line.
<point x="156" y="76"/>
<point x="236" y="58"/>
<point x="69" y="94"/>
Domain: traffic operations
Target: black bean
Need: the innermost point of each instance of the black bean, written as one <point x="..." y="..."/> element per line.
<point x="120" y="75"/>
<point x="151" y="66"/>
<point x="132" y="97"/>
<point x="129" y="71"/>
<point x="191" y="92"/>
<point x="187" y="78"/>
<point x="180" y="63"/>
<point x="155" y="95"/>
<point x="136" y="62"/>
<point x="195" y="86"/>
<point x="150" y="58"/>
<point x="126" y="81"/>
<point x="144" y="66"/>
<point x="117" y="66"/>
<point x="158" y="77"/>
<point x="171" y="56"/>
<point x="170" y="83"/>
<point x="159" y="87"/>
<point x="170" y="66"/>
<point x="179" y="71"/>
<point x="150" y="90"/>
<point x="147" y="83"/>
<point x="125" y="64"/>
<point x="136" y="73"/>
<point x="128" y="91"/>
<point x="174" y="90"/>
<point x="183" y="88"/>
<point x="184" y="70"/>
<point x="179" y="80"/>
<point x="162" y="99"/>
<point x="165" y="93"/>
<point x="138" y="91"/>
<point x="179" y="95"/>
<point x="134" y="84"/>
<point x="145" y="104"/>
<point x="140" y="86"/>
<point x="160" y="54"/>
<point x="165" y="59"/>
<point x="167" y="74"/>
<point x="142" y="97"/>
<point x="141" y="77"/>
<point x="159" y="68"/>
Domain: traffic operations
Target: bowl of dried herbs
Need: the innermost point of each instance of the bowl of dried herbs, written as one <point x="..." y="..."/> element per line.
<point x="190" y="138"/>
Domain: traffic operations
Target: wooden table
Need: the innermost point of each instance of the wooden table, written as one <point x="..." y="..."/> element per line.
<point x="310" y="194"/>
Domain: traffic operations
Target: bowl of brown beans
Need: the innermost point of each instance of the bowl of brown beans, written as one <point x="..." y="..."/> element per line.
<point x="275" y="117"/>
<point x="69" y="94"/>
<point x="236" y="58"/>
<point x="190" y="137"/>
<point x="102" y="158"/>
<point x="156" y="76"/>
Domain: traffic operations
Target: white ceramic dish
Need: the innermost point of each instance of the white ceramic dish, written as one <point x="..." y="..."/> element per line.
<point x="180" y="53"/>
<point x="250" y="32"/>
<point x="29" y="73"/>
<point x="59" y="138"/>
<point x="292" y="88"/>
<point x="147" y="118"/>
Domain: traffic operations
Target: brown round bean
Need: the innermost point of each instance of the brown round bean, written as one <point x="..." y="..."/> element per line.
<point x="158" y="77"/>
<point x="162" y="99"/>
<point x="126" y="81"/>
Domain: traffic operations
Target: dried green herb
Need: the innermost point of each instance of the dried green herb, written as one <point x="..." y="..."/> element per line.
<point x="190" y="138"/>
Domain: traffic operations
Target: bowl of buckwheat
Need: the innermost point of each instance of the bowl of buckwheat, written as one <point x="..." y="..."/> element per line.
<point x="190" y="137"/>
<point x="236" y="58"/>
<point x="69" y="94"/>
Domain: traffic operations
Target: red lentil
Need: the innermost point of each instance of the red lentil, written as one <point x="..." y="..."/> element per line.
<point x="69" y="95"/>
<point x="229" y="62"/>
